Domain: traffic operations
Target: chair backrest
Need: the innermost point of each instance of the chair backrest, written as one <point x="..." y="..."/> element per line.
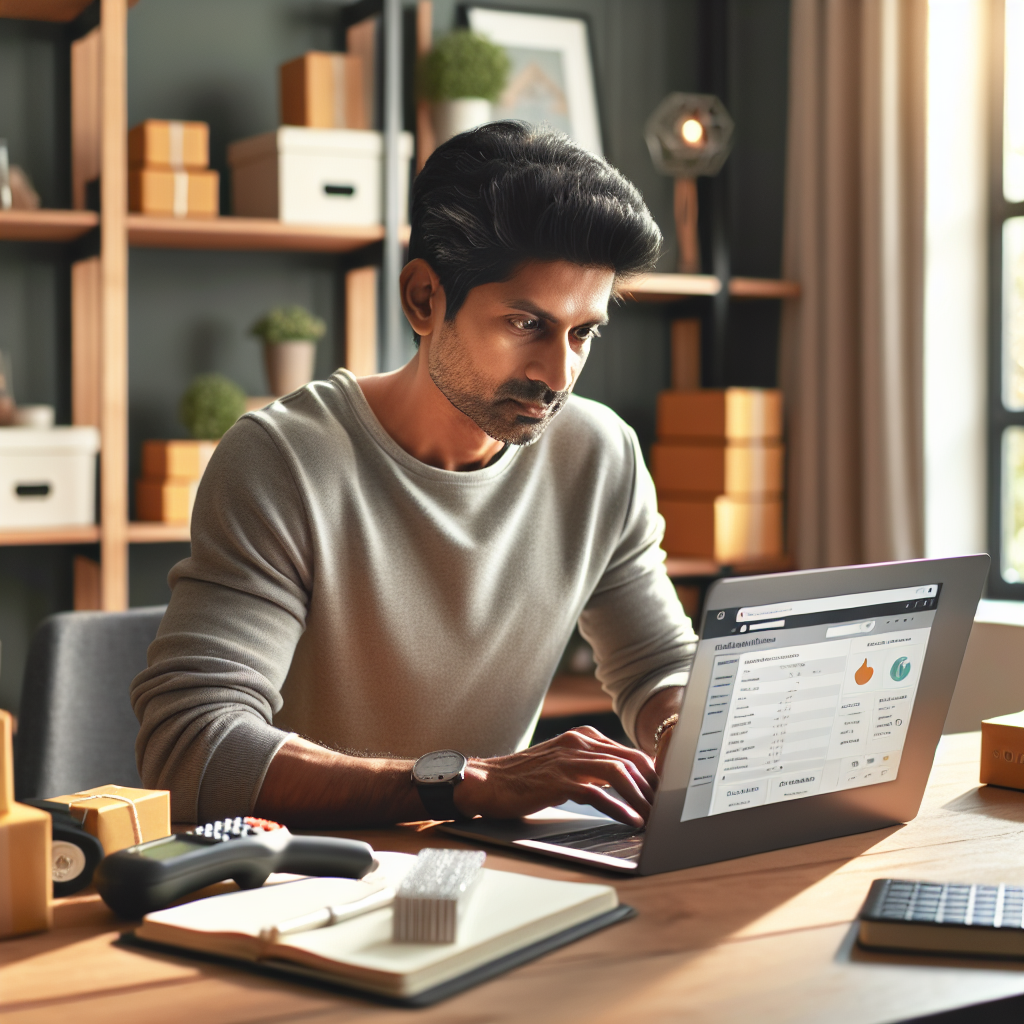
<point x="76" y="727"/>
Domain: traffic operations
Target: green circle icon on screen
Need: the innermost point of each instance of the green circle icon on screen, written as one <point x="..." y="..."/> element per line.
<point x="900" y="669"/>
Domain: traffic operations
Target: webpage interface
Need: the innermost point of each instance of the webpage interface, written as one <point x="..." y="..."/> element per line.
<point x="808" y="697"/>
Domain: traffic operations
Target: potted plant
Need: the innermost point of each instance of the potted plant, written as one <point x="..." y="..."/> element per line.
<point x="210" y="406"/>
<point x="461" y="77"/>
<point x="289" y="334"/>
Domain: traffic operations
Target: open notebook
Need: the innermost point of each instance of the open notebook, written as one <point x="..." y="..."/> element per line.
<point x="511" y="918"/>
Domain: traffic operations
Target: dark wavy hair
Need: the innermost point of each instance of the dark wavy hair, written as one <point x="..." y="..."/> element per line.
<point x="491" y="199"/>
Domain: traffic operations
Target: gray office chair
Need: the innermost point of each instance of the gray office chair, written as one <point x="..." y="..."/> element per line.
<point x="76" y="728"/>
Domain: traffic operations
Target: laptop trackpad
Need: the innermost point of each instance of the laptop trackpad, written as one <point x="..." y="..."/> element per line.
<point x="551" y="821"/>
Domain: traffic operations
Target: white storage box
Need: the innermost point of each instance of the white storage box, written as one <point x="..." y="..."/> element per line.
<point x="314" y="175"/>
<point x="48" y="477"/>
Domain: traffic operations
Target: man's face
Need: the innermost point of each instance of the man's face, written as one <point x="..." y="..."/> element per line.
<point x="511" y="358"/>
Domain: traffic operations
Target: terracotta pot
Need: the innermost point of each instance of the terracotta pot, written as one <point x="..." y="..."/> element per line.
<point x="451" y="117"/>
<point x="289" y="365"/>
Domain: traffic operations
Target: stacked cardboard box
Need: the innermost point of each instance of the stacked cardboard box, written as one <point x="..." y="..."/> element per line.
<point x="171" y="471"/>
<point x="169" y="173"/>
<point x="325" y="90"/>
<point x="718" y="469"/>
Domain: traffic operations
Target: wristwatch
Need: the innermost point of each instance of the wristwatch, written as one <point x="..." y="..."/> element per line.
<point x="436" y="775"/>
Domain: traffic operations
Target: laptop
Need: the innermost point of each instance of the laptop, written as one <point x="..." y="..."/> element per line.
<point x="813" y="709"/>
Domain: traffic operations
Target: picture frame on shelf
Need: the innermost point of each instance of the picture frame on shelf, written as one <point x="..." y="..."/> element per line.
<point x="552" y="79"/>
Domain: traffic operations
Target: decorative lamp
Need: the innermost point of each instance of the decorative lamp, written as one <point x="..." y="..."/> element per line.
<point x="688" y="134"/>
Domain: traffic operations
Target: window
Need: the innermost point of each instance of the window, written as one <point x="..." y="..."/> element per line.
<point x="1006" y="438"/>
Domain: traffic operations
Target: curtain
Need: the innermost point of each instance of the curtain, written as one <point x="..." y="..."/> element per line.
<point x="851" y="346"/>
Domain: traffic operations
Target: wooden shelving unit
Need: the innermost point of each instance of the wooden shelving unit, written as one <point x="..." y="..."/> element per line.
<point x="46" y="225"/>
<point x="99" y="290"/>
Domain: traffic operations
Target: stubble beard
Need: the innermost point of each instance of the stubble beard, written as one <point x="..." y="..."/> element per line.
<point x="493" y="410"/>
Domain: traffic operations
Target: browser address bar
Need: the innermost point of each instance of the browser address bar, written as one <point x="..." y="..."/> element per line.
<point x="829" y="604"/>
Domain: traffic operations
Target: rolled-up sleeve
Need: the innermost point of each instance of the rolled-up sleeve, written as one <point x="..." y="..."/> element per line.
<point x="643" y="641"/>
<point x="207" y="700"/>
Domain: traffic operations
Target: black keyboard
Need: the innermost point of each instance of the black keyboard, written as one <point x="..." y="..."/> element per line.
<point x="616" y="840"/>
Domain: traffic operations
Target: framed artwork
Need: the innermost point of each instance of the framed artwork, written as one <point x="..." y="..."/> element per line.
<point x="552" y="77"/>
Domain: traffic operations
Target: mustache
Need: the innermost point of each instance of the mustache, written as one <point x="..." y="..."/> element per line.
<point x="535" y="392"/>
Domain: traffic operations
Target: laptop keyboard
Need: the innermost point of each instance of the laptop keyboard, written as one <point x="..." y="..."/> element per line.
<point x="610" y="840"/>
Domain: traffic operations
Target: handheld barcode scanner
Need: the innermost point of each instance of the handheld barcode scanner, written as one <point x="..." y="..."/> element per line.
<point x="143" y="878"/>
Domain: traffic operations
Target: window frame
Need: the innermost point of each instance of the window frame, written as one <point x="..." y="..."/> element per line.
<point x="999" y="211"/>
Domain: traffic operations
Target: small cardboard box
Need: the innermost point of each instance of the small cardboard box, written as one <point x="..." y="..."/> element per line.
<point x="727" y="529"/>
<point x="742" y="470"/>
<point x="1002" y="751"/>
<point x="324" y="90"/>
<point x="108" y="814"/>
<point x="173" y="145"/>
<point x="723" y="414"/>
<point x="165" y="193"/>
<point x="165" y="501"/>
<point x="180" y="459"/>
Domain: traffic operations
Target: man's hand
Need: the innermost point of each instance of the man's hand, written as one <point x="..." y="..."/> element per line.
<point x="577" y="765"/>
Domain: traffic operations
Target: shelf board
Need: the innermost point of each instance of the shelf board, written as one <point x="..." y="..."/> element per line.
<point x="673" y="287"/>
<point x="46" y="10"/>
<point x="49" y="535"/>
<point x="670" y="287"/>
<point x="46" y="225"/>
<point x="248" y="233"/>
<point x="762" y="288"/>
<point x="158" y="533"/>
<point x="707" y="568"/>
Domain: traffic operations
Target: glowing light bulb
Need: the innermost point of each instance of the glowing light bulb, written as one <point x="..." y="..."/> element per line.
<point x="692" y="131"/>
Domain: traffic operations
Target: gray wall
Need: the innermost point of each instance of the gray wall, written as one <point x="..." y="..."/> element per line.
<point x="216" y="60"/>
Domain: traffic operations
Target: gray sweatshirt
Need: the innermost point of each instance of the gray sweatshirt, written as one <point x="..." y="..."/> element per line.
<point x="343" y="590"/>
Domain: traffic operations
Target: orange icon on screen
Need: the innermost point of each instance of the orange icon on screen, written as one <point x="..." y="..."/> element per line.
<point x="864" y="673"/>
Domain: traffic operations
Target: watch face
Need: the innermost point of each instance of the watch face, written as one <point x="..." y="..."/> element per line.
<point x="439" y="766"/>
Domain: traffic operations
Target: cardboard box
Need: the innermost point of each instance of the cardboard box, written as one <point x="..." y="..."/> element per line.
<point x="26" y="855"/>
<point x="165" y="193"/>
<point x="742" y="470"/>
<point x="324" y="90"/>
<point x="729" y="414"/>
<point x="725" y="528"/>
<point x="48" y="476"/>
<point x="108" y="814"/>
<point x="165" y="501"/>
<point x="179" y="459"/>
<point x="1002" y="751"/>
<point x="315" y="175"/>
<point x="172" y="145"/>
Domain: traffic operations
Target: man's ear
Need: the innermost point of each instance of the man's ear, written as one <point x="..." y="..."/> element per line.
<point x="423" y="298"/>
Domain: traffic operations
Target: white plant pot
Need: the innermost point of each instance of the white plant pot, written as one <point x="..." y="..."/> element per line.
<point x="289" y="365"/>
<point x="452" y="117"/>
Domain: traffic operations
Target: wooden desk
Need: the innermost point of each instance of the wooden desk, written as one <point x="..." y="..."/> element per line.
<point x="765" y="939"/>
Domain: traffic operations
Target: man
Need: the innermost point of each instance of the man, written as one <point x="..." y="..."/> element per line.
<point x="384" y="567"/>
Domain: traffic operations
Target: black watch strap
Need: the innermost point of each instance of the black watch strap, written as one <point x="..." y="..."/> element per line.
<point x="439" y="800"/>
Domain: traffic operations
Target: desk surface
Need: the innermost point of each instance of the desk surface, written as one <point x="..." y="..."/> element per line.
<point x="767" y="938"/>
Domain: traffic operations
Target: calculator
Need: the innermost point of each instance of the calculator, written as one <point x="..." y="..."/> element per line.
<point x="143" y="878"/>
<point x="944" y="917"/>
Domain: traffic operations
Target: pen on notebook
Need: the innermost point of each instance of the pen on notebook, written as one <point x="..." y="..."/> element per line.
<point x="327" y="916"/>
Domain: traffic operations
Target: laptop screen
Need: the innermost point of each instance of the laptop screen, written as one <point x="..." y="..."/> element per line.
<point x="807" y="697"/>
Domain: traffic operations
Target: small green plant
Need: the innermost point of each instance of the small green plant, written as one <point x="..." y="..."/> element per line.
<point x="463" y="65"/>
<point x="289" y="323"/>
<point x="210" y="406"/>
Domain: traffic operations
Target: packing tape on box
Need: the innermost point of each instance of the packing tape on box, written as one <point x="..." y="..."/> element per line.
<point x="180" y="194"/>
<point x="132" y="809"/>
<point x="176" y="143"/>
